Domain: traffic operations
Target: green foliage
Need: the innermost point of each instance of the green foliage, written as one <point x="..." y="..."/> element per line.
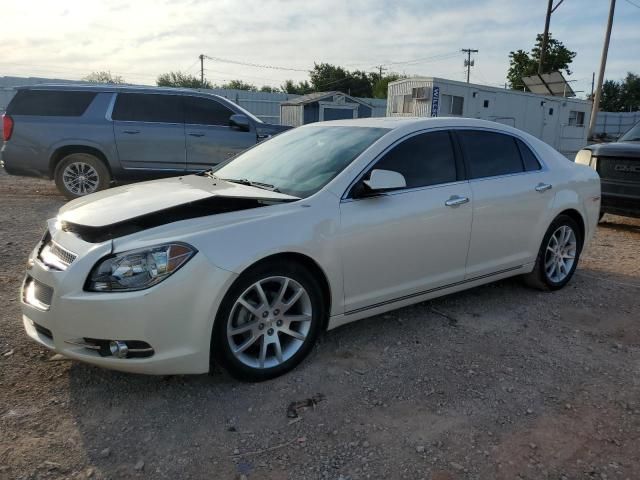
<point x="301" y="88"/>
<point x="524" y="64"/>
<point x="381" y="85"/>
<point x="104" y="77"/>
<point x="239" y="85"/>
<point x="268" y="89"/>
<point x="183" y="80"/>
<point x="623" y="96"/>
<point x="326" y="77"/>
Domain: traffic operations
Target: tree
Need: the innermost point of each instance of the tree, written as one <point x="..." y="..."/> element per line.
<point x="301" y="88"/>
<point x="326" y="77"/>
<point x="381" y="85"/>
<point x="103" y="77"/>
<point x="623" y="96"/>
<point x="524" y="64"/>
<point x="183" y="80"/>
<point x="269" y="89"/>
<point x="239" y="85"/>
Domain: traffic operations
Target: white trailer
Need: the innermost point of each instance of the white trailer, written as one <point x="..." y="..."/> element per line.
<point x="561" y="122"/>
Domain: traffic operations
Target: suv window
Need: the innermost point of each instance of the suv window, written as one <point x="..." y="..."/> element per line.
<point x="148" y="107"/>
<point x="59" y="103"/>
<point x="204" y="111"/>
<point x="424" y="159"/>
<point x="528" y="158"/>
<point x="489" y="153"/>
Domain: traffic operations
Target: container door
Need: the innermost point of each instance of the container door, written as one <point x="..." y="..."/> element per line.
<point x="550" y="122"/>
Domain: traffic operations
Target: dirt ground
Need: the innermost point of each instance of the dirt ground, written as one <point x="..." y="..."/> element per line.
<point x="499" y="382"/>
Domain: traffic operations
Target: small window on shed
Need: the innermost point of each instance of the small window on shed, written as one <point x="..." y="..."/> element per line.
<point x="397" y="103"/>
<point x="486" y="104"/>
<point x="551" y="111"/>
<point x="407" y="104"/>
<point x="419" y="93"/>
<point x="576" y="119"/>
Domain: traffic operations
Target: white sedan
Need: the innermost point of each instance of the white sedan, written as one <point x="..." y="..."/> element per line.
<point x="320" y="226"/>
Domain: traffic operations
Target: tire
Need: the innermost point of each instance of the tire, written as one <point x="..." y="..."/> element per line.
<point x="90" y="173"/>
<point x="255" y="323"/>
<point x="544" y="278"/>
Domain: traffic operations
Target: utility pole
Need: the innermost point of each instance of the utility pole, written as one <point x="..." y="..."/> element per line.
<point x="545" y="36"/>
<point x="468" y="62"/>
<point x="603" y="64"/>
<point x="201" y="57"/>
<point x="593" y="81"/>
<point x="381" y="69"/>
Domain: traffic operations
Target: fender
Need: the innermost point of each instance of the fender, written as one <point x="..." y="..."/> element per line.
<point x="109" y="151"/>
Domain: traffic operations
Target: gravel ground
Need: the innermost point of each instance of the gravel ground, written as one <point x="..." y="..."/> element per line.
<point x="497" y="382"/>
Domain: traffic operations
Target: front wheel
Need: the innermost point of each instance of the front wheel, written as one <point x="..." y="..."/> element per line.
<point x="268" y="321"/>
<point x="80" y="174"/>
<point x="558" y="256"/>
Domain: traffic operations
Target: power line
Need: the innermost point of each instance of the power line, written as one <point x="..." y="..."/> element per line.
<point x="256" y="65"/>
<point x="442" y="56"/>
<point x="632" y="3"/>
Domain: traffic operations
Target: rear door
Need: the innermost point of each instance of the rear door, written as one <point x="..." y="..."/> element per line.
<point x="210" y="139"/>
<point x="512" y="195"/>
<point x="149" y="131"/>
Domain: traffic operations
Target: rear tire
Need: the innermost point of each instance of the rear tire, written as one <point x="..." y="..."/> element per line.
<point x="558" y="256"/>
<point x="268" y="321"/>
<point x="79" y="174"/>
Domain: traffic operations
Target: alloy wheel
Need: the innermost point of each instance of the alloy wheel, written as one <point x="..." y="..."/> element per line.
<point x="560" y="254"/>
<point x="80" y="178"/>
<point x="269" y="322"/>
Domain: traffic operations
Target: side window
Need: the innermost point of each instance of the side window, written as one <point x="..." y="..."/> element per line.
<point x="148" y="107"/>
<point x="203" y="111"/>
<point x="528" y="158"/>
<point x="490" y="154"/>
<point x="424" y="159"/>
<point x="61" y="103"/>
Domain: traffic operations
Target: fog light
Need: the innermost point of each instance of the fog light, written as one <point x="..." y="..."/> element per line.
<point x="118" y="349"/>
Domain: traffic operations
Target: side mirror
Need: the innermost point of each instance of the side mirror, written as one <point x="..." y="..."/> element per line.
<point x="380" y="180"/>
<point x="240" y="122"/>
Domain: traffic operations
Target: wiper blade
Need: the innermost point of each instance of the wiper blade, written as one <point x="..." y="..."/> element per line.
<point x="244" y="181"/>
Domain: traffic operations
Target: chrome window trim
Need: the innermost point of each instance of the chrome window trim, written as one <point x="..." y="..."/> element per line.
<point x="401" y="191"/>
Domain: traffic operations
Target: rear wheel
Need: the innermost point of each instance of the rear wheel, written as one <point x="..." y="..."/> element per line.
<point x="80" y="174"/>
<point x="268" y="321"/>
<point x="558" y="256"/>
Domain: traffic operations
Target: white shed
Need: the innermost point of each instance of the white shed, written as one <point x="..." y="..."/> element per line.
<point x="560" y="122"/>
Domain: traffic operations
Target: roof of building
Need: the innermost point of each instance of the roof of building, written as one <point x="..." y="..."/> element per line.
<point x="317" y="96"/>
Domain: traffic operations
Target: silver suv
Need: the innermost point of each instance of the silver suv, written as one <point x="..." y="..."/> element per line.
<point x="88" y="137"/>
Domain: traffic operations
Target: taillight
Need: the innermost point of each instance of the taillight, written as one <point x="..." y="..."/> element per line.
<point x="7" y="127"/>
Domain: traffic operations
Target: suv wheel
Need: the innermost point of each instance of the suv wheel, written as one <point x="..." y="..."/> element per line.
<point x="80" y="174"/>
<point x="558" y="256"/>
<point x="268" y="322"/>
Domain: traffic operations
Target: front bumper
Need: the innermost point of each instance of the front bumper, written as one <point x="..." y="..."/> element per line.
<point x="174" y="317"/>
<point x="621" y="198"/>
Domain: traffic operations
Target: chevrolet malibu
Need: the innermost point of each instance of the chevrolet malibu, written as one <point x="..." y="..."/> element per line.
<point x="329" y="223"/>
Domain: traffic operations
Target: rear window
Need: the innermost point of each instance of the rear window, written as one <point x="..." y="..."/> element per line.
<point x="148" y="107"/>
<point x="49" y="103"/>
<point x="490" y="154"/>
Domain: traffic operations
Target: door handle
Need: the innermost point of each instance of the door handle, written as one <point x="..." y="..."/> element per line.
<point x="131" y="132"/>
<point x="455" y="200"/>
<point x="193" y="134"/>
<point x="543" y="187"/>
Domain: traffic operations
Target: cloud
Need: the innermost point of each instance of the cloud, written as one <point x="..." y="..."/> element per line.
<point x="142" y="39"/>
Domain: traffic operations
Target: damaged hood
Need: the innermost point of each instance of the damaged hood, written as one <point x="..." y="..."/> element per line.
<point x="117" y="205"/>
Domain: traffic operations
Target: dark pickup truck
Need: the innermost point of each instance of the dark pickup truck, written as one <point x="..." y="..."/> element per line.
<point x="618" y="165"/>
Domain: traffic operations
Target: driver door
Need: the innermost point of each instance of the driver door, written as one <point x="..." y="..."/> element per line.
<point x="209" y="138"/>
<point x="405" y="242"/>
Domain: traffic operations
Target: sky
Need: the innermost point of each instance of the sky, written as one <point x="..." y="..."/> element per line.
<point x="141" y="39"/>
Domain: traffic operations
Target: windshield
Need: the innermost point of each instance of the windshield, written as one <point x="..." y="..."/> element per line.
<point x="300" y="162"/>
<point x="632" y="135"/>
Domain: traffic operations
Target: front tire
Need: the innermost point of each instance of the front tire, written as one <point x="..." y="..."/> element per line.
<point x="558" y="255"/>
<point x="80" y="174"/>
<point x="268" y="322"/>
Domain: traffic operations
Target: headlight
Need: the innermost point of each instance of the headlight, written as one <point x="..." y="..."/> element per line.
<point x="138" y="269"/>
<point x="584" y="157"/>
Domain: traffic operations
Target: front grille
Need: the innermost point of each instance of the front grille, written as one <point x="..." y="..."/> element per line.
<point x="56" y="257"/>
<point x="37" y="294"/>
<point x="624" y="169"/>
